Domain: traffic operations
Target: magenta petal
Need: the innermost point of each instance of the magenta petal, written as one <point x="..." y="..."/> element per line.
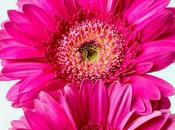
<point x="5" y="43"/>
<point x="19" y="66"/>
<point x="33" y="33"/>
<point x="22" y="70"/>
<point x="145" y="9"/>
<point x="36" y="121"/>
<point x="20" y="124"/>
<point x="120" y="102"/>
<point x="156" y="120"/>
<point x="145" y="88"/>
<point x="14" y="91"/>
<point x="160" y="60"/>
<point x="153" y="27"/>
<point x="85" y="92"/>
<point x="166" y="89"/>
<point x="38" y="17"/>
<point x="50" y="108"/>
<point x="158" y="47"/>
<point x="112" y="5"/>
<point x="17" y="17"/>
<point x="138" y="105"/>
<point x="73" y="100"/>
<point x="17" y="34"/>
<point x="17" y="52"/>
<point x="99" y="103"/>
<point x="144" y="67"/>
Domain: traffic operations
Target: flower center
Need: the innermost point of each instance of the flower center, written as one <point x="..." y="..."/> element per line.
<point x="91" y="49"/>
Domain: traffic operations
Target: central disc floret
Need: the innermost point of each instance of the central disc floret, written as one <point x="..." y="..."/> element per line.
<point x="91" y="50"/>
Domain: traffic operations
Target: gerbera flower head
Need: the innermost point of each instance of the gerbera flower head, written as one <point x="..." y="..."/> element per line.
<point x="54" y="42"/>
<point x="92" y="108"/>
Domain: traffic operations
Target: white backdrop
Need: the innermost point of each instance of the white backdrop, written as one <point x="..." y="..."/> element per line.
<point x="7" y="113"/>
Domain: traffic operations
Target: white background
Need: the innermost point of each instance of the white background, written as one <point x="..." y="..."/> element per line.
<point x="7" y="113"/>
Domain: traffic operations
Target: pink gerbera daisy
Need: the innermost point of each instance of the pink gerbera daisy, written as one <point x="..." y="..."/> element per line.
<point x="49" y="43"/>
<point x="92" y="108"/>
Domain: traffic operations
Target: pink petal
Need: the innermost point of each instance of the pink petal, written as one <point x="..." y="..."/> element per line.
<point x="22" y="69"/>
<point x="138" y="105"/>
<point x="17" y="52"/>
<point x="33" y="33"/>
<point x="73" y="100"/>
<point x="14" y="91"/>
<point x="145" y="88"/>
<point x="156" y="119"/>
<point x="5" y="43"/>
<point x="144" y="67"/>
<point x="51" y="109"/>
<point x="99" y="103"/>
<point x="17" y="17"/>
<point x="120" y="103"/>
<point x="20" y="124"/>
<point x="39" y="18"/>
<point x="36" y="121"/>
<point x="85" y="93"/>
<point x="17" y="34"/>
<point x="166" y="89"/>
<point x="112" y="5"/>
<point x="160" y="60"/>
<point x="145" y="9"/>
<point x="153" y="27"/>
<point x="158" y="47"/>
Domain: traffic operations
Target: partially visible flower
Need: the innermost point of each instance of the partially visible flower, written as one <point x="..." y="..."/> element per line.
<point x="49" y="43"/>
<point x="92" y="108"/>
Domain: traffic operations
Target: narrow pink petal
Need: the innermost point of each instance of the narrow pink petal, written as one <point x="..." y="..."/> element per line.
<point x="166" y="89"/>
<point x="36" y="121"/>
<point x="120" y="103"/>
<point x="144" y="67"/>
<point x="20" y="3"/>
<point x="112" y="5"/>
<point x="9" y="66"/>
<point x="125" y="120"/>
<point x="145" y="88"/>
<point x="20" y="124"/>
<point x="153" y="27"/>
<point x="33" y="33"/>
<point x="22" y="69"/>
<point x="158" y="47"/>
<point x="138" y="104"/>
<point x="36" y="81"/>
<point x="14" y="91"/>
<point x="5" y="43"/>
<point x="145" y="9"/>
<point x="38" y="17"/>
<point x="99" y="103"/>
<point x="144" y="119"/>
<point x="85" y="93"/>
<point x="16" y="75"/>
<point x="73" y="100"/>
<point x="72" y="6"/>
<point x="17" y="17"/>
<point x="51" y="109"/>
<point x="63" y="103"/>
<point x="4" y="34"/>
<point x="17" y="34"/>
<point x="17" y="52"/>
<point x="160" y="60"/>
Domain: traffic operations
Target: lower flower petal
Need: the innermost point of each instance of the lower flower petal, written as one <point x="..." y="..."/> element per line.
<point x="145" y="88"/>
